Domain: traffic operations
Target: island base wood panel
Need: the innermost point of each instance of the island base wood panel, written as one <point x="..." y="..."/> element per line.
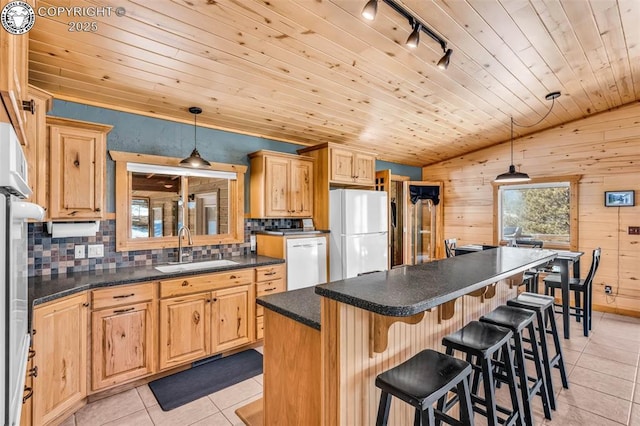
<point x="292" y="372"/>
<point x="348" y="371"/>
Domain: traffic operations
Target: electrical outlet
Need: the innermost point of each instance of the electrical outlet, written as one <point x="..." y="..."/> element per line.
<point x="607" y="289"/>
<point x="79" y="251"/>
<point x="95" y="250"/>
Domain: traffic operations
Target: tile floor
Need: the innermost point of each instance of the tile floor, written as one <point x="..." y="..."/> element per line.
<point x="603" y="370"/>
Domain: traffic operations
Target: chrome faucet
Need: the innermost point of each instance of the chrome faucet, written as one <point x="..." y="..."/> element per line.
<point x="186" y="230"/>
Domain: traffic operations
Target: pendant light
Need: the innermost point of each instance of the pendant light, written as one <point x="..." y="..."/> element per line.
<point x="195" y="160"/>
<point x="512" y="176"/>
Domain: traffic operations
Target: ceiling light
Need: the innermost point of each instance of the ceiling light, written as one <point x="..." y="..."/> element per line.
<point x="369" y="12"/>
<point x="370" y="9"/>
<point x="414" y="37"/>
<point x="195" y="160"/>
<point x="443" y="63"/>
<point x="512" y="176"/>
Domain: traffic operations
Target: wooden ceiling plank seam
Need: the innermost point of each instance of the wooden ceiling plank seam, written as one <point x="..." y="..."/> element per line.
<point x="630" y="19"/>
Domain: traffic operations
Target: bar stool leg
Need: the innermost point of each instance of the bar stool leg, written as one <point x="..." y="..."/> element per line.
<point x="524" y="383"/>
<point x="466" y="407"/>
<point x="544" y="391"/>
<point x="428" y="417"/>
<point x="556" y="342"/>
<point x="515" y="398"/>
<point x="489" y="392"/>
<point x="542" y="331"/>
<point x="383" y="409"/>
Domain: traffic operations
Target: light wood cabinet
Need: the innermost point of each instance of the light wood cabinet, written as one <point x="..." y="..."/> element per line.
<point x="337" y="166"/>
<point x="37" y="150"/>
<point x="195" y="325"/>
<point x="122" y="330"/>
<point x="281" y="185"/>
<point x="60" y="343"/>
<point x="77" y="169"/>
<point x="14" y="51"/>
<point x="269" y="280"/>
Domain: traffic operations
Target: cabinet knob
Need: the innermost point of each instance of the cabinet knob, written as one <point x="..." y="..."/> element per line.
<point x="32" y="353"/>
<point x="29" y="105"/>
<point x="232" y="277"/>
<point x="215" y="299"/>
<point x="86" y="304"/>
<point x="185" y="283"/>
<point x="29" y="393"/>
<point x="33" y="372"/>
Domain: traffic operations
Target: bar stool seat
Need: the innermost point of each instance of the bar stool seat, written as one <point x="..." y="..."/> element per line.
<point x="543" y="307"/>
<point x="481" y="342"/>
<point x="421" y="381"/>
<point x="517" y="320"/>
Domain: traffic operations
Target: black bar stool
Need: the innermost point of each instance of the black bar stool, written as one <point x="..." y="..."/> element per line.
<point x="516" y="320"/>
<point x="482" y="342"/>
<point x="543" y="307"/>
<point x="421" y="381"/>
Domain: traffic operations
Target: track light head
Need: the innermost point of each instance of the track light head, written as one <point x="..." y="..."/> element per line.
<point x="414" y="37"/>
<point x="443" y="63"/>
<point x="370" y="9"/>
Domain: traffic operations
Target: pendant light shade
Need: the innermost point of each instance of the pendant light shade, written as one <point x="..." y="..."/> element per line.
<point x="370" y="9"/>
<point x="195" y="160"/>
<point x="443" y="63"/>
<point x="414" y="37"/>
<point x="512" y="176"/>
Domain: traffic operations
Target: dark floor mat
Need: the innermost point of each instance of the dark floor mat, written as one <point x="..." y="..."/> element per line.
<point x="186" y="386"/>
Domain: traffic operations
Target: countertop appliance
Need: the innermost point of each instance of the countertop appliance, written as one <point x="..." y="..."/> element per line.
<point x="13" y="271"/>
<point x="359" y="227"/>
<point x="306" y="262"/>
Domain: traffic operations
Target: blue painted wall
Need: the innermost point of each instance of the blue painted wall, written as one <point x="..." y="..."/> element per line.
<point x="145" y="135"/>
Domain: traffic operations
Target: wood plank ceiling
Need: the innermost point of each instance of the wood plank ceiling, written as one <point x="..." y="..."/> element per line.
<point x="312" y="71"/>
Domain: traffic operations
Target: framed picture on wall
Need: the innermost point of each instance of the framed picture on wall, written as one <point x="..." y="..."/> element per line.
<point x="619" y="198"/>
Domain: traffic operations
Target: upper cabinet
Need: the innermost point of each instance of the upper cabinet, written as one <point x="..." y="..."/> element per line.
<point x="77" y="169"/>
<point x="281" y="185"/>
<point x="14" y="53"/>
<point x="352" y="167"/>
<point x="37" y="150"/>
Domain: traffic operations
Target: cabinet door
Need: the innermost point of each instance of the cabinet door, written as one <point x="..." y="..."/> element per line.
<point x="77" y="173"/>
<point x="301" y="188"/>
<point x="37" y="151"/>
<point x="122" y="344"/>
<point x="60" y="342"/>
<point x="341" y="166"/>
<point x="233" y="317"/>
<point x="276" y="187"/>
<point x="184" y="329"/>
<point x="365" y="169"/>
<point x="14" y="51"/>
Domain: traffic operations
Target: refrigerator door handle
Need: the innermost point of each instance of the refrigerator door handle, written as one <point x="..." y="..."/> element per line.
<point x="24" y="210"/>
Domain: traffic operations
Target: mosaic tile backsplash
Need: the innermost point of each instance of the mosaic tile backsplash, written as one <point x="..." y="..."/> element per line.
<point x="53" y="256"/>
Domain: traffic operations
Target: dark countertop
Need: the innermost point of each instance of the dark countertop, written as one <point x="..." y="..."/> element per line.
<point x="409" y="290"/>
<point x="293" y="232"/>
<point x="46" y="288"/>
<point x="302" y="305"/>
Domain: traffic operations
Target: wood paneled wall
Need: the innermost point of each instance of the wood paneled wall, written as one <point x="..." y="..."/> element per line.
<point x="605" y="150"/>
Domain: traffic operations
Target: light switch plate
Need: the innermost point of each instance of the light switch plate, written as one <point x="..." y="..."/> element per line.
<point x="79" y="251"/>
<point x="95" y="250"/>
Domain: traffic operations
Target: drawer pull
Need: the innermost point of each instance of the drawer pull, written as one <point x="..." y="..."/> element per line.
<point x="123" y="296"/>
<point x="232" y="277"/>
<point x="271" y="273"/>
<point x="185" y="283"/>
<point x="29" y="393"/>
<point x="32" y="353"/>
<point x="270" y="289"/>
<point x="33" y="372"/>
<point x="121" y="311"/>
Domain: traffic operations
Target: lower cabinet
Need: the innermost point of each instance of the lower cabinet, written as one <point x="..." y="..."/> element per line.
<point x="197" y="325"/>
<point x="60" y="341"/>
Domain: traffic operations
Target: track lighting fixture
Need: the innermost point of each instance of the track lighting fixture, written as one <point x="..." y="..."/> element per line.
<point x="370" y="9"/>
<point x="414" y="37"/>
<point x="195" y="160"/>
<point x="369" y="12"/>
<point x="512" y="176"/>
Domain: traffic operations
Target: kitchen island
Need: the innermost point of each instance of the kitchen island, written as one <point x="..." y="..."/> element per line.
<point x="323" y="372"/>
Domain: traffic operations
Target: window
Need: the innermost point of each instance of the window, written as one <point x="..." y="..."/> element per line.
<point x="544" y="210"/>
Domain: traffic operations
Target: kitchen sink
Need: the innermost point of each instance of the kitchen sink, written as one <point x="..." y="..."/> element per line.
<point x="194" y="266"/>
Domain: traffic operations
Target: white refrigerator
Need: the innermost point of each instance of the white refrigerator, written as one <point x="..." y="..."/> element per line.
<point x="358" y="224"/>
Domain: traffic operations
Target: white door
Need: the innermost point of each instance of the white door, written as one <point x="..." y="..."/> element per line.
<point x="364" y="212"/>
<point x="364" y="253"/>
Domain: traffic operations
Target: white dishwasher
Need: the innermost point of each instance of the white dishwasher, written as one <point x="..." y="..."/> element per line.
<point x="306" y="262"/>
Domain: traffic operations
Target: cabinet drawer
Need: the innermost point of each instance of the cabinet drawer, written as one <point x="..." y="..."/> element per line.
<point x="199" y="283"/>
<point x="121" y="295"/>
<point x="269" y="272"/>
<point x="268" y="287"/>
<point x="259" y="327"/>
